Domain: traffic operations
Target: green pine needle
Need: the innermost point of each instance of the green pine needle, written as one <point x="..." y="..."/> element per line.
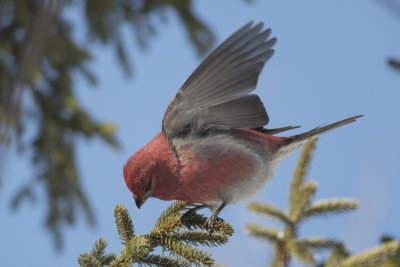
<point x="174" y="208"/>
<point x="304" y="198"/>
<point x="269" y="210"/>
<point x="301" y="171"/>
<point x="193" y="255"/>
<point x="97" y="256"/>
<point x="199" y="237"/>
<point x="301" y="206"/>
<point x="139" y="247"/>
<point x="372" y="256"/>
<point x="301" y="252"/>
<point x="318" y="243"/>
<point x="273" y="235"/>
<point x="124" y="224"/>
<point x="326" y="206"/>
<point x="169" y="234"/>
<point x="87" y="260"/>
<point x="161" y="260"/>
<point x="338" y="254"/>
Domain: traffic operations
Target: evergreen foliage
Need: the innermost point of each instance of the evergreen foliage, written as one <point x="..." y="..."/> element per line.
<point x="169" y="234"/>
<point x="301" y="207"/>
<point x="39" y="59"/>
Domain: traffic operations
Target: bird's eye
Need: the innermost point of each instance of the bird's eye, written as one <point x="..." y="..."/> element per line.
<point x="148" y="186"/>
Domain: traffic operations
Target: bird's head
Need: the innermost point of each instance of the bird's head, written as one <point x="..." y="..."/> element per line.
<point x="151" y="172"/>
<point x="138" y="178"/>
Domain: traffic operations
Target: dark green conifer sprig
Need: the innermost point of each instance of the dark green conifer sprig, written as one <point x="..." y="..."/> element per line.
<point x="301" y="207"/>
<point x="97" y="256"/>
<point x="386" y="255"/>
<point x="169" y="234"/>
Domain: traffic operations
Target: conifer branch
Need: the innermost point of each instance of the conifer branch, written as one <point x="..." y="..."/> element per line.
<point x="89" y="260"/>
<point x="301" y="206"/>
<point x="124" y="224"/>
<point x="167" y="224"/>
<point x="318" y="243"/>
<point x="97" y="256"/>
<point x="273" y="235"/>
<point x="323" y="207"/>
<point x="339" y="253"/>
<point x="300" y="172"/>
<point x="169" y="234"/>
<point x="281" y="258"/>
<point x="189" y="253"/>
<point x="304" y="198"/>
<point x="199" y="237"/>
<point x="276" y="237"/>
<point x="174" y="208"/>
<point x="160" y="260"/>
<point x="372" y="256"/>
<point x="269" y="210"/>
<point x="301" y="252"/>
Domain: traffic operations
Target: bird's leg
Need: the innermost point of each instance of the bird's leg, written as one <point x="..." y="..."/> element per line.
<point x="188" y="216"/>
<point x="209" y="224"/>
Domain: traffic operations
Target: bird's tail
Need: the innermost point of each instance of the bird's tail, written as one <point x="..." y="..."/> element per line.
<point x="307" y="136"/>
<point x="290" y="144"/>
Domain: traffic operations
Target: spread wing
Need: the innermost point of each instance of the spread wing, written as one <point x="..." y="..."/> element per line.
<point x="216" y="95"/>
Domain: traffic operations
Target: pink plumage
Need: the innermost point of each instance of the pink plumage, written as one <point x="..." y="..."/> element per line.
<point x="213" y="148"/>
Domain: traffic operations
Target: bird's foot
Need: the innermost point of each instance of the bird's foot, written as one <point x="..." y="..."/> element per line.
<point x="187" y="218"/>
<point x="211" y="223"/>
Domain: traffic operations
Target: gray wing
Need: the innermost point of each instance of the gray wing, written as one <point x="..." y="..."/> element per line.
<point x="216" y="95"/>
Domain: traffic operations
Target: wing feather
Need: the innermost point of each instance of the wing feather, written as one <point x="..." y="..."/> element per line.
<point x="216" y="95"/>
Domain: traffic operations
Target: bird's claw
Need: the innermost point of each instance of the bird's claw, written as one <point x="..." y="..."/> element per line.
<point x="187" y="218"/>
<point x="211" y="223"/>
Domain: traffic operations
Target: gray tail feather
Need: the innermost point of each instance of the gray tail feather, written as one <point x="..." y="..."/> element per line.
<point x="276" y="130"/>
<point x="322" y="129"/>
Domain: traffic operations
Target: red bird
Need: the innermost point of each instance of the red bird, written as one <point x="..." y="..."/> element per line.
<point x="213" y="149"/>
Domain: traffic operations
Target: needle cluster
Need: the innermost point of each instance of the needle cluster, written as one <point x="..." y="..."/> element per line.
<point x="302" y="207"/>
<point x="179" y="244"/>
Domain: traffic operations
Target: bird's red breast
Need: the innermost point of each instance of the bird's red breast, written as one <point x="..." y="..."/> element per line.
<point x="206" y="172"/>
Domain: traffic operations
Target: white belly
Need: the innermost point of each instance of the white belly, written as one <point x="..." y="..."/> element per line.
<point x="246" y="188"/>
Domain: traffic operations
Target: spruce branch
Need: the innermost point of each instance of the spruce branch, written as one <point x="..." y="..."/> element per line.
<point x="304" y="198"/>
<point x="89" y="260"/>
<point x="169" y="234"/>
<point x="193" y="255"/>
<point x="337" y="255"/>
<point x="97" y="256"/>
<point x="300" y="172"/>
<point x="124" y="224"/>
<point x="161" y="260"/>
<point x="301" y="252"/>
<point x="273" y="235"/>
<point x="168" y="223"/>
<point x="323" y="207"/>
<point x="372" y="256"/>
<point x="269" y="210"/>
<point x="281" y="258"/>
<point x="199" y="237"/>
<point x="174" y="208"/>
<point x="287" y="244"/>
<point x="319" y="243"/>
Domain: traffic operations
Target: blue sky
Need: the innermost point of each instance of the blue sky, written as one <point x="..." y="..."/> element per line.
<point x="330" y="63"/>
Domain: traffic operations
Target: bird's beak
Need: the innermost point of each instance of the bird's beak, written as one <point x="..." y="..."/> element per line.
<point x="140" y="200"/>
